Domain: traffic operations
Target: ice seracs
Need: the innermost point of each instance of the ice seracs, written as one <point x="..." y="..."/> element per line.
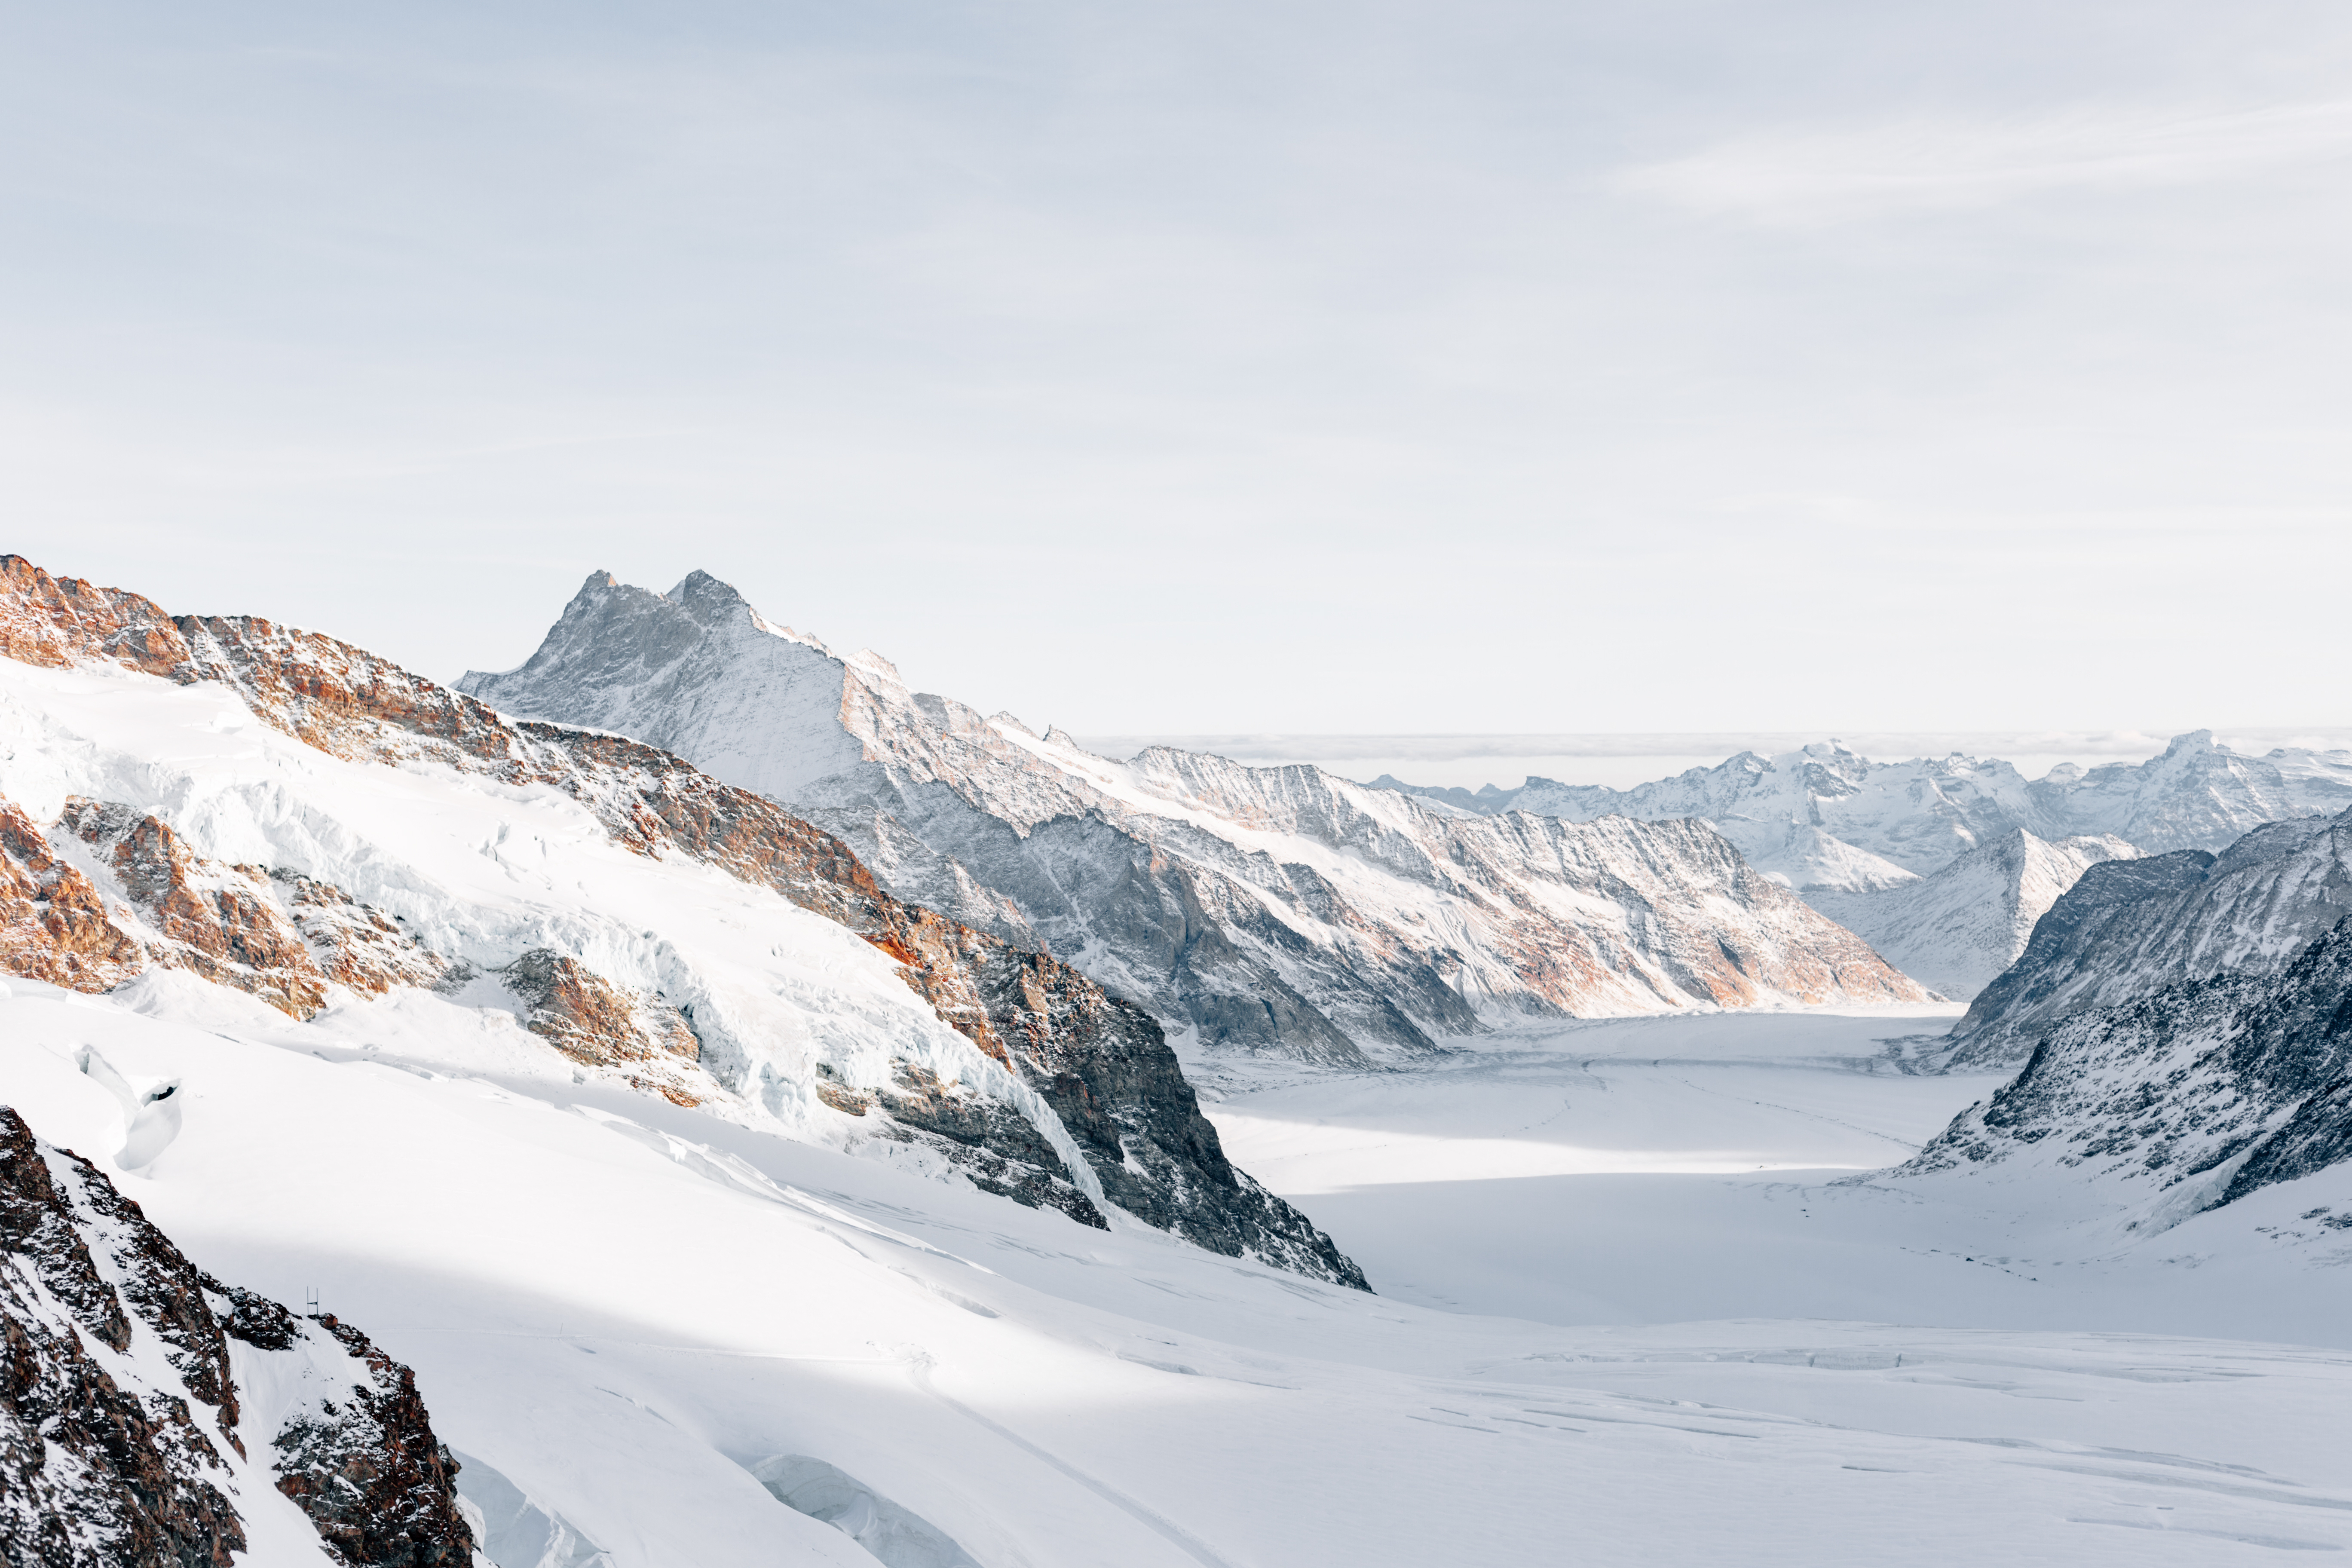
<point x="1278" y="909"/>
<point x="270" y="810"/>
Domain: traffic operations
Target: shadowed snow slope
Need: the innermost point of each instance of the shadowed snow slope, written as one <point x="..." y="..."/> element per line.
<point x="647" y="1321"/>
<point x="1269" y="908"/>
<point x="1958" y="928"/>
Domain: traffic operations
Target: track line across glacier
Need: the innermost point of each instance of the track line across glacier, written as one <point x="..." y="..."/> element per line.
<point x="1184" y="1539"/>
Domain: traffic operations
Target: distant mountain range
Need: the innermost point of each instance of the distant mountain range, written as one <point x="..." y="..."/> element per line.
<point x="1944" y="864"/>
<point x="1823" y="817"/>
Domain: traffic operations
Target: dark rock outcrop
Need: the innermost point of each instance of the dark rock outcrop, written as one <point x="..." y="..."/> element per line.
<point x="2129" y="927"/>
<point x="2216" y="1087"/>
<point x="1105" y="1068"/>
<point x="126" y="1469"/>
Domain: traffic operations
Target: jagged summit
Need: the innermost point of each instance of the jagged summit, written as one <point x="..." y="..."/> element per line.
<point x="1267" y="909"/>
<point x="594" y="906"/>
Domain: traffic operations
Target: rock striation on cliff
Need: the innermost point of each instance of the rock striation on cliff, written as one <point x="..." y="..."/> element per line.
<point x="566" y="877"/>
<point x="1272" y="910"/>
<point x="2131" y="926"/>
<point x="2179" y="1099"/>
<point x="147" y="1405"/>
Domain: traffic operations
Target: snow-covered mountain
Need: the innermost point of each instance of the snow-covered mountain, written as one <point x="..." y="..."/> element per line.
<point x="1852" y="836"/>
<point x="2183" y="1098"/>
<point x="270" y="811"/>
<point x="1959" y="927"/>
<point x="153" y="1417"/>
<point x="1271" y="908"/>
<point x="1824" y="817"/>
<point x="2129" y="928"/>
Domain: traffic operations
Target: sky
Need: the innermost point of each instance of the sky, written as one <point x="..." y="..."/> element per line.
<point x="1274" y="369"/>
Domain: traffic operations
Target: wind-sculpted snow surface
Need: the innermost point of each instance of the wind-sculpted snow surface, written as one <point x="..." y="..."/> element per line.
<point x="1961" y="927"/>
<point x="150" y="1411"/>
<point x="1824" y="817"/>
<point x="2190" y="1096"/>
<point x="1266" y="909"/>
<point x="282" y="813"/>
<point x="2128" y="927"/>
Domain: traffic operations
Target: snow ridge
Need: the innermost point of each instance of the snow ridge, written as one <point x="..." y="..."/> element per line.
<point x="1278" y="909"/>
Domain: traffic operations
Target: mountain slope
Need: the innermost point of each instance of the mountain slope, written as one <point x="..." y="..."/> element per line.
<point x="2187" y="1097"/>
<point x="1957" y="929"/>
<point x="2129" y="927"/>
<point x="1267" y="909"/>
<point x="290" y="817"/>
<point x="153" y="1417"/>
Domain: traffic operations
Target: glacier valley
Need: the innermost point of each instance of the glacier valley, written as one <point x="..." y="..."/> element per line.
<point x="694" y="1100"/>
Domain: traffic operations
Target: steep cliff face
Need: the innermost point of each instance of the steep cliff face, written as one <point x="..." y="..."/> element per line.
<point x="475" y="855"/>
<point x="1275" y="909"/>
<point x="2186" y="1097"/>
<point x="1959" y="928"/>
<point x="131" y="1433"/>
<point x="2128" y="927"/>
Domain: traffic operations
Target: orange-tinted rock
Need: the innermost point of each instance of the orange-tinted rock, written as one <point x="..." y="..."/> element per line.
<point x="346" y="702"/>
<point x="217" y="922"/>
<point x="280" y="938"/>
<point x="53" y="921"/>
<point x="355" y="945"/>
<point x="591" y="1020"/>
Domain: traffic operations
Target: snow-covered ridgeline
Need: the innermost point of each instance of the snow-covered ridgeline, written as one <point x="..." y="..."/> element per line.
<point x="817" y="1003"/>
<point x="1278" y="909"/>
<point x="1824" y="817"/>
<point x="2181" y="1097"/>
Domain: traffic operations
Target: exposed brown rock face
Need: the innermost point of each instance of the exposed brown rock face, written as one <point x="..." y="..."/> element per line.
<point x="94" y="1474"/>
<point x="367" y="1469"/>
<point x="355" y="945"/>
<point x="599" y="1024"/>
<point x="217" y="922"/>
<point x="349" y="703"/>
<point x="53" y="922"/>
<point x="278" y="936"/>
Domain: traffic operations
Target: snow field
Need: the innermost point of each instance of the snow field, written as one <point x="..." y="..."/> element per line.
<point x="622" y="1308"/>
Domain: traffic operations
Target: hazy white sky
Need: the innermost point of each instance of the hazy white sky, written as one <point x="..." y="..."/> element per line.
<point x="1267" y="367"/>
